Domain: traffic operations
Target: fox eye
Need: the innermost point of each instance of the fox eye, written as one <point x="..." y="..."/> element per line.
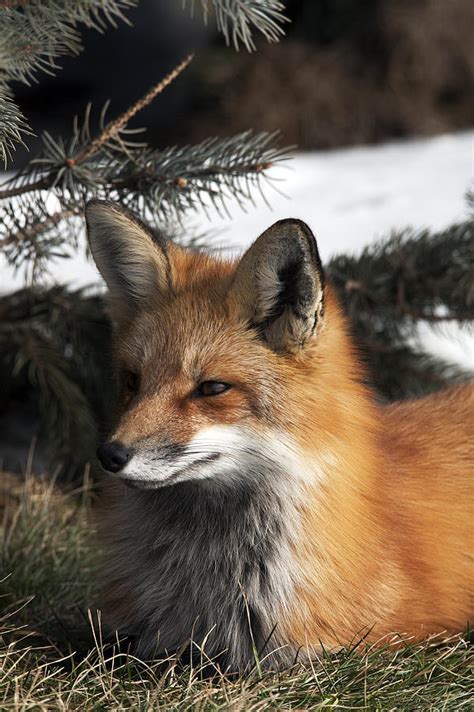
<point x="211" y="388"/>
<point x="131" y="381"/>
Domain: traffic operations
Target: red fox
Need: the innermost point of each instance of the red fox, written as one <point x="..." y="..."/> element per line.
<point x="259" y="499"/>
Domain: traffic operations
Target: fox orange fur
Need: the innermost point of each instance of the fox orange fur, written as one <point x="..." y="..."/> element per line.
<point x="259" y="497"/>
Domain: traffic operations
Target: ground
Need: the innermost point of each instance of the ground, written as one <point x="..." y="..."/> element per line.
<point x="52" y="655"/>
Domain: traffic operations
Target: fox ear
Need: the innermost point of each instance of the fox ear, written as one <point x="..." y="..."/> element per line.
<point x="130" y="258"/>
<point x="279" y="285"/>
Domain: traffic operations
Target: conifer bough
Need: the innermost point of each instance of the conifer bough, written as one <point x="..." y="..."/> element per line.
<point x="237" y="18"/>
<point x="13" y="127"/>
<point x="157" y="184"/>
<point x="34" y="34"/>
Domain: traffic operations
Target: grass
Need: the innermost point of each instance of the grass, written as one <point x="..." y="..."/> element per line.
<point x="52" y="656"/>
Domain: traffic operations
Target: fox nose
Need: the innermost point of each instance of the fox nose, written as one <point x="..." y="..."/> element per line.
<point x="113" y="456"/>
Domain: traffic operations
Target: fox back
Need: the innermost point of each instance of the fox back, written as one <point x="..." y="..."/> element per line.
<point x="259" y="501"/>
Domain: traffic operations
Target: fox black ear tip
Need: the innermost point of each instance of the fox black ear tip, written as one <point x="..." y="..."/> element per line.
<point x="293" y="224"/>
<point x="98" y="203"/>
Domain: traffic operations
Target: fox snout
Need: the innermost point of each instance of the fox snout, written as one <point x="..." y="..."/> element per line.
<point x="113" y="456"/>
<point x="216" y="451"/>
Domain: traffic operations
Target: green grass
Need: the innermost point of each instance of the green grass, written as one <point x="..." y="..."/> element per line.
<point x="52" y="657"/>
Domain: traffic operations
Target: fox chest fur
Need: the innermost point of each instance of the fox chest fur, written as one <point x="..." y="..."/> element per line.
<point x="258" y="501"/>
<point x="193" y="564"/>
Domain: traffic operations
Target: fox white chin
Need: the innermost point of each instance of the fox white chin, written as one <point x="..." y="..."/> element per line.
<point x="221" y="454"/>
<point x="148" y="473"/>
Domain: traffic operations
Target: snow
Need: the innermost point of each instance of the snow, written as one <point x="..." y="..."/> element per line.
<point x="354" y="196"/>
<point x="350" y="198"/>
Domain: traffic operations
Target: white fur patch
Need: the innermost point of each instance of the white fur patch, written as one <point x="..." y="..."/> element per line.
<point x="224" y="452"/>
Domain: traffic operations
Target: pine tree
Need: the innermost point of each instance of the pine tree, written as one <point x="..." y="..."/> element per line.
<point x="53" y="340"/>
<point x="408" y="279"/>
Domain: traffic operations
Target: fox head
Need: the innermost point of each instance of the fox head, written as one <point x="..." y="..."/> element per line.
<point x="211" y="356"/>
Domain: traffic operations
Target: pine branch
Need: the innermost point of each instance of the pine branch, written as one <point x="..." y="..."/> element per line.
<point x="13" y="127"/>
<point x="412" y="276"/>
<point x="396" y="284"/>
<point x="90" y="147"/>
<point x="166" y="183"/>
<point x="114" y="127"/>
<point x="51" y="343"/>
<point x="36" y="228"/>
<point x="21" y="188"/>
<point x="160" y="185"/>
<point x="400" y="371"/>
<point x="433" y="317"/>
<point x="236" y="19"/>
<point x="470" y="201"/>
<point x="33" y="36"/>
<point x="35" y="236"/>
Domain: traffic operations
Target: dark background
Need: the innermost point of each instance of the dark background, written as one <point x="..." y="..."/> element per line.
<point x="348" y="72"/>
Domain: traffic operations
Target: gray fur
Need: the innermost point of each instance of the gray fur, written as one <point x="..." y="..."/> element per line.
<point x="209" y="560"/>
